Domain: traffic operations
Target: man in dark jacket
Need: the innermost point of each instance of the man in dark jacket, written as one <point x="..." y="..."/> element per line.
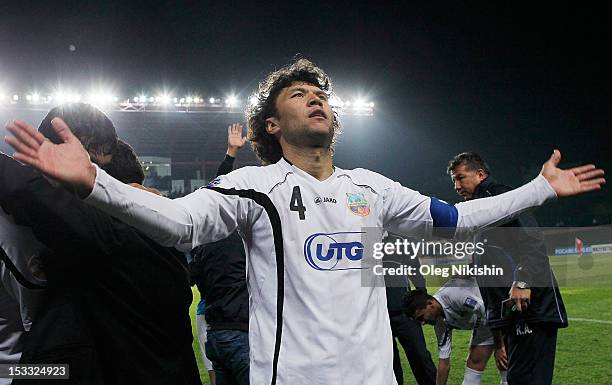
<point x="525" y="304"/>
<point x="116" y="306"/>
<point x="219" y="270"/>
<point x="408" y="332"/>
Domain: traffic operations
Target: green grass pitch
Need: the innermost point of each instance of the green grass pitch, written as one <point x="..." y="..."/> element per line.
<point x="584" y="350"/>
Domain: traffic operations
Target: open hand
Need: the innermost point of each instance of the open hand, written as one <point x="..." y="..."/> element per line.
<point x="67" y="162"/>
<point x="501" y="358"/>
<point x="574" y="181"/>
<point x="520" y="297"/>
<point x="235" y="140"/>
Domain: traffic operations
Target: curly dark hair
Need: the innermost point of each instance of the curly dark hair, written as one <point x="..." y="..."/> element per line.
<point x="415" y="300"/>
<point x="471" y="160"/>
<point x="90" y="125"/>
<point x="265" y="145"/>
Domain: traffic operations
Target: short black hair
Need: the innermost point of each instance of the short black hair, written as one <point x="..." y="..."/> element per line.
<point x="415" y="300"/>
<point x="472" y="160"/>
<point x="266" y="146"/>
<point x="124" y="165"/>
<point x="90" y="125"/>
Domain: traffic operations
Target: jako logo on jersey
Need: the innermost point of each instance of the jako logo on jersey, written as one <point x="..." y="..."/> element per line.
<point x="357" y="204"/>
<point x="319" y="200"/>
<point x="334" y="251"/>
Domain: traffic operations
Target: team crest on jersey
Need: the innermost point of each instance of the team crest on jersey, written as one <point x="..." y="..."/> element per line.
<point x="357" y="204"/>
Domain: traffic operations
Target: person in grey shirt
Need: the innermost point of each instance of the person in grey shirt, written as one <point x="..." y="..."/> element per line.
<point x="21" y="282"/>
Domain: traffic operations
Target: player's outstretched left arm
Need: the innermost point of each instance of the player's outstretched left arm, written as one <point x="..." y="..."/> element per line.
<point x="551" y="183"/>
<point x="407" y="212"/>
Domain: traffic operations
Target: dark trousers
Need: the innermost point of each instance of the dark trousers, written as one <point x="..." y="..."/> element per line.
<point x="228" y="350"/>
<point x="410" y="336"/>
<point x="531" y="354"/>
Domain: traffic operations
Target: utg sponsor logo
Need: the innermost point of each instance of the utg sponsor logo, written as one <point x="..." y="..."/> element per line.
<point x="334" y="251"/>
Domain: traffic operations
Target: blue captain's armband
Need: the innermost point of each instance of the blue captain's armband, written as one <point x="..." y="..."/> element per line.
<point x="444" y="217"/>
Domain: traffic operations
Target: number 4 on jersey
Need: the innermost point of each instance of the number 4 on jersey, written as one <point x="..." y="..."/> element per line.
<point x="296" y="203"/>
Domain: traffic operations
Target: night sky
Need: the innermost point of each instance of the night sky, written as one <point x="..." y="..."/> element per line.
<point x="509" y="82"/>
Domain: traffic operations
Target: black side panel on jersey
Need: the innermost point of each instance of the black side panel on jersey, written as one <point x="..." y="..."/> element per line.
<point x="264" y="201"/>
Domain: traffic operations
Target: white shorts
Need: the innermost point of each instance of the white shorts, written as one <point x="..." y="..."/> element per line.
<point x="201" y="327"/>
<point x="482" y="336"/>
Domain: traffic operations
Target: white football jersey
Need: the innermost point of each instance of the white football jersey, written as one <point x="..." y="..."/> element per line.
<point x="463" y="308"/>
<point x="462" y="303"/>
<point x="313" y="320"/>
<point x="335" y="330"/>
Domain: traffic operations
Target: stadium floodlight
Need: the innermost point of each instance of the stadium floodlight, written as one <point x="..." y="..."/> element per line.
<point x="359" y="103"/>
<point x="164" y="99"/>
<point x="60" y="97"/>
<point x="100" y="98"/>
<point x="231" y="100"/>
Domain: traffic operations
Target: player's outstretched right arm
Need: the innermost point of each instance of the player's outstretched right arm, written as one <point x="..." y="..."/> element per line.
<point x="67" y="162"/>
<point x="201" y="217"/>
